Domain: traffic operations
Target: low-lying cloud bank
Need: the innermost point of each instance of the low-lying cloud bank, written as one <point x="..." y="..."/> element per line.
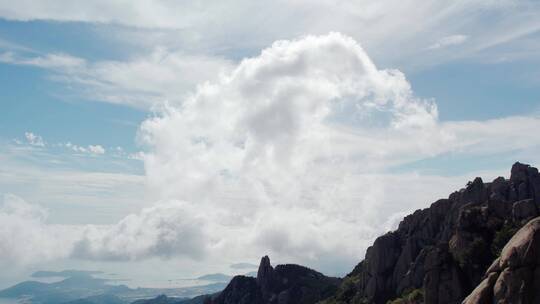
<point x="164" y="230"/>
<point x="290" y="154"/>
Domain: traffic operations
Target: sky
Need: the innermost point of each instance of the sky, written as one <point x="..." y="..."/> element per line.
<point x="163" y="139"/>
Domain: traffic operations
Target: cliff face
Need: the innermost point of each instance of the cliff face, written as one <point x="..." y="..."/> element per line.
<point x="440" y="254"/>
<point x="286" y="284"/>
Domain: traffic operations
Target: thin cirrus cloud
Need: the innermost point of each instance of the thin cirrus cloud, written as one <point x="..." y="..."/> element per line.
<point x="282" y="154"/>
<point x="383" y="26"/>
<point x="51" y="61"/>
<point x="175" y="54"/>
<point x="142" y="82"/>
<point x="449" y="41"/>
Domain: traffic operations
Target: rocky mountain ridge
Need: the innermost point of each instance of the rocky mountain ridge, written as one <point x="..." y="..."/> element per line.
<point x="441" y="253"/>
<point x="451" y="252"/>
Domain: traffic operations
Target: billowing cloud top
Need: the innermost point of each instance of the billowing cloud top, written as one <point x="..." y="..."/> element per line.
<point x="299" y="107"/>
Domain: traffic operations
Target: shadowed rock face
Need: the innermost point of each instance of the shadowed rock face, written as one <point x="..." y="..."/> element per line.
<point x="443" y="251"/>
<point x="286" y="284"/>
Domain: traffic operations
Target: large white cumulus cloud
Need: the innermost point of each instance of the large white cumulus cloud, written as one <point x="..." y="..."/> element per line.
<point x="284" y="155"/>
<point x="278" y="151"/>
<point x="291" y="111"/>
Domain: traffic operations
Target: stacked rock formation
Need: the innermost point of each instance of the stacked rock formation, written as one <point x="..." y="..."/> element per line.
<point x="286" y="284"/>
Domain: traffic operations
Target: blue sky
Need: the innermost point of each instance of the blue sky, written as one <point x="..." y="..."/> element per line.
<point x="117" y="120"/>
<point x="33" y="101"/>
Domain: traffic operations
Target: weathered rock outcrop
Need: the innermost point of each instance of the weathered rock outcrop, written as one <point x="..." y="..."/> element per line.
<point x="286" y="284"/>
<point x="514" y="277"/>
<point x="443" y="251"/>
<point x="241" y="290"/>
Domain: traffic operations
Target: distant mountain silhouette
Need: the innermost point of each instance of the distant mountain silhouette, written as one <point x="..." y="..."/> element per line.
<point x="100" y="299"/>
<point x="82" y="288"/>
<point x="162" y="299"/>
<point x="81" y="285"/>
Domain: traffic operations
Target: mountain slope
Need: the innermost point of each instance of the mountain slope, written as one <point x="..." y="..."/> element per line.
<point x="440" y="253"/>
